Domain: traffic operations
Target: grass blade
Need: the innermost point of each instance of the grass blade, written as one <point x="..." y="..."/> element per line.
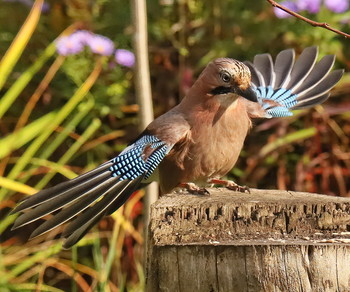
<point x="10" y="96"/>
<point x="20" y="42"/>
<point x="16" y="186"/>
<point x="36" y="258"/>
<point x="59" y="118"/>
<point x="71" y="151"/>
<point x="23" y="287"/>
<point x="16" y="140"/>
<point x="288" y="139"/>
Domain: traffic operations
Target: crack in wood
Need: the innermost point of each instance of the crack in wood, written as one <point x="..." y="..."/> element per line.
<point x="263" y="241"/>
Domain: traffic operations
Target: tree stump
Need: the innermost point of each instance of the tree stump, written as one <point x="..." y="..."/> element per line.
<point x="268" y="240"/>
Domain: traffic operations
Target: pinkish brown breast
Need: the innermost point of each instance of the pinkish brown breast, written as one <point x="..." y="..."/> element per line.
<point x="210" y="150"/>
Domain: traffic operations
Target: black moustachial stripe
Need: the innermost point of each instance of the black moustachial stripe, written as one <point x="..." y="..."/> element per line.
<point x="221" y="90"/>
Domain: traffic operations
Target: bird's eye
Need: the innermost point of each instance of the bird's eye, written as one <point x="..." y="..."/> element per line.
<point x="226" y="77"/>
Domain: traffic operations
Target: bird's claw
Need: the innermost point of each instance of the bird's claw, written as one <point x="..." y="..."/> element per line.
<point x="194" y="189"/>
<point x="231" y="185"/>
<point x="201" y="191"/>
<point x="238" y="188"/>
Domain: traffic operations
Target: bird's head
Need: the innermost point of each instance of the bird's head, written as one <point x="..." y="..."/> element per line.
<point x="227" y="79"/>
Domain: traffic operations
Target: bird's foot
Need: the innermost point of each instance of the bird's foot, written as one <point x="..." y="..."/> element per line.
<point x="231" y="185"/>
<point x="194" y="189"/>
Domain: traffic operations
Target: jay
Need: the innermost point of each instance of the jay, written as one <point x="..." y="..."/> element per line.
<point x="194" y="144"/>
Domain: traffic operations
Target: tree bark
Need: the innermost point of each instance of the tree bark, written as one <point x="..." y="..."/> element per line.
<point x="267" y="240"/>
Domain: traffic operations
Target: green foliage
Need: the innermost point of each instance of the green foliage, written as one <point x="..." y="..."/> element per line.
<point x="61" y="116"/>
<point x="42" y="139"/>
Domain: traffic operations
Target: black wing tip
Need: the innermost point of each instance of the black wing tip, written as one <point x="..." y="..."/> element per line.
<point x="290" y="53"/>
<point x="341" y="72"/>
<point x="330" y="56"/>
<point x="338" y="73"/>
<point x="14" y="211"/>
<point x="263" y="55"/>
<point x="68" y="244"/>
<point x="47" y="194"/>
<point x="73" y="235"/>
<point x="19" y="222"/>
<point x="311" y="103"/>
<point x="313" y="48"/>
<point x="22" y="206"/>
<point x="35" y="234"/>
<point x="15" y="226"/>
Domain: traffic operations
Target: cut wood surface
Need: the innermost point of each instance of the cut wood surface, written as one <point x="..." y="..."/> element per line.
<point x="267" y="240"/>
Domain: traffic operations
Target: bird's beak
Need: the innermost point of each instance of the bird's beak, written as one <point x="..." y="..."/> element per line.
<point x="248" y="93"/>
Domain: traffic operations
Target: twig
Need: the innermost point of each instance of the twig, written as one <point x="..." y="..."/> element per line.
<point x="307" y="20"/>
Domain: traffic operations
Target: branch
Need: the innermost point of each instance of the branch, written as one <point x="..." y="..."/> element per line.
<point x="307" y="20"/>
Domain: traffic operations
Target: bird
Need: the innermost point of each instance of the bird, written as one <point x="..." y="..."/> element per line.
<point x="194" y="144"/>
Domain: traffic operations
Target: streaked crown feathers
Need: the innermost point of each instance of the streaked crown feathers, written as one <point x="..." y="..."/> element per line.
<point x="239" y="72"/>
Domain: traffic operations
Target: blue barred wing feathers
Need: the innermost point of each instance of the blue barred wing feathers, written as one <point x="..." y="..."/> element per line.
<point x="142" y="157"/>
<point x="287" y="84"/>
<point x="86" y="199"/>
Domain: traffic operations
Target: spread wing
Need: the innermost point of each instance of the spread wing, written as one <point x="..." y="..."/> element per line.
<point x="286" y="85"/>
<point x="86" y="199"/>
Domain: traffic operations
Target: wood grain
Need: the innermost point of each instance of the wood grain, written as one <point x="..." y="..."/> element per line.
<point x="267" y="240"/>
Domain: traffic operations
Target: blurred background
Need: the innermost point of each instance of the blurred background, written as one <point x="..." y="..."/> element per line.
<point x="65" y="109"/>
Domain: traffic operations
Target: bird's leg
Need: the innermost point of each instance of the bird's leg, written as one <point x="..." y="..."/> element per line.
<point x="194" y="189"/>
<point x="231" y="185"/>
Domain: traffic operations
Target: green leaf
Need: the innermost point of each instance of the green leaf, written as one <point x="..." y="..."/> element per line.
<point x="16" y="186"/>
<point x="36" y="258"/>
<point x="71" y="151"/>
<point x="14" y="91"/>
<point x="20" y="42"/>
<point x="58" y="119"/>
<point x="16" y="140"/>
<point x="286" y="140"/>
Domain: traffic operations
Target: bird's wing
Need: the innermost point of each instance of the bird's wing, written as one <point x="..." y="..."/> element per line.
<point x="286" y="85"/>
<point x="86" y="199"/>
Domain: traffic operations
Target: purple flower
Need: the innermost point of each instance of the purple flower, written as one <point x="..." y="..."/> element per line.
<point x="288" y="4"/>
<point x="68" y="45"/>
<point x="45" y="8"/>
<point x="313" y="6"/>
<point x="100" y="45"/>
<point x="337" y="6"/>
<point x="125" y="58"/>
<point x="82" y="36"/>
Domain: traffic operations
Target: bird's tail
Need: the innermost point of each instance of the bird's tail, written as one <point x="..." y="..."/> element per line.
<point x="287" y="85"/>
<point x="86" y="199"/>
